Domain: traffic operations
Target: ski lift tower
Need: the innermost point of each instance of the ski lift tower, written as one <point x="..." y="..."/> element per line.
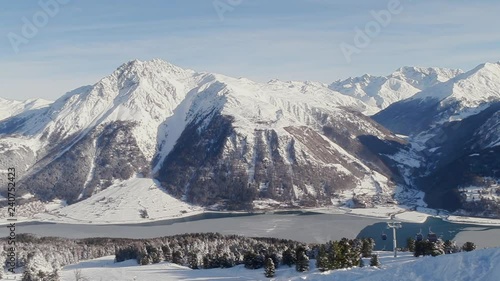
<point x="394" y="225"/>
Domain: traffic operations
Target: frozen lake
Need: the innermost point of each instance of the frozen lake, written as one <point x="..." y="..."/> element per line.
<point x="306" y="227"/>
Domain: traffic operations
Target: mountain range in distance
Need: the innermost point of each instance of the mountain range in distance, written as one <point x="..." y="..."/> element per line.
<point x="419" y="136"/>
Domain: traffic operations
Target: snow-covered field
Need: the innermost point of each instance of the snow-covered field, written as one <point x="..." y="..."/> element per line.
<point x="398" y="212"/>
<point x="481" y="265"/>
<point x="122" y="203"/>
<point x="473" y="220"/>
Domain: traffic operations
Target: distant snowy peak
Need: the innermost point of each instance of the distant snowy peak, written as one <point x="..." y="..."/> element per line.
<point x="479" y="84"/>
<point x="463" y="96"/>
<point x="10" y="108"/>
<point x="382" y="91"/>
<point x="425" y="77"/>
<point x="466" y="94"/>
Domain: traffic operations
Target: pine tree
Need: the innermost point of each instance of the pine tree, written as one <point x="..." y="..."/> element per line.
<point x="334" y="256"/>
<point x="346" y="256"/>
<point x="145" y="260"/>
<point x="374" y="261"/>
<point x="410" y="244"/>
<point x="177" y="258"/>
<point x="367" y="247"/>
<point x="252" y="260"/>
<point x="154" y="253"/>
<point x="469" y="246"/>
<point x="437" y="248"/>
<point x="226" y="260"/>
<point x="270" y="269"/>
<point x="455" y="248"/>
<point x="423" y="248"/>
<point x="274" y="256"/>
<point x="418" y="249"/>
<point x="302" y="260"/>
<point x="207" y="261"/>
<point x="289" y="257"/>
<point x="29" y="275"/>
<point x="167" y="253"/>
<point x="248" y="259"/>
<point x="448" y="247"/>
<point x="428" y="248"/>
<point x="322" y="259"/>
<point x="355" y="252"/>
<point x="193" y="260"/>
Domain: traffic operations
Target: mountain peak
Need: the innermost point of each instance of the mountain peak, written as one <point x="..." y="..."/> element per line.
<point x="381" y="91"/>
<point x="424" y="77"/>
<point x="485" y="69"/>
<point x="155" y="66"/>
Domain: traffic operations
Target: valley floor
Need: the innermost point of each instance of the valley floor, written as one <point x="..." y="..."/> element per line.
<point x="123" y="203"/>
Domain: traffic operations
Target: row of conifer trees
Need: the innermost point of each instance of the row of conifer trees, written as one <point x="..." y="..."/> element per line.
<point x="210" y="250"/>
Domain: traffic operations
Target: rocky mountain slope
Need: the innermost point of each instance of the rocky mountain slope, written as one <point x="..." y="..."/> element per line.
<point x="455" y="127"/>
<point x="208" y="138"/>
<point x="229" y="143"/>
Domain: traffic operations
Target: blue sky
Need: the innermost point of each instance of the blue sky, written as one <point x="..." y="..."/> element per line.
<point x="259" y="39"/>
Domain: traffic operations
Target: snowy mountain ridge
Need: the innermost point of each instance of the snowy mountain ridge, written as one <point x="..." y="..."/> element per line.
<point x="214" y="140"/>
<point x="462" y="96"/>
<point x="149" y="117"/>
<point x="13" y="107"/>
<point x="454" y="126"/>
<point x="382" y="91"/>
<point x="471" y="91"/>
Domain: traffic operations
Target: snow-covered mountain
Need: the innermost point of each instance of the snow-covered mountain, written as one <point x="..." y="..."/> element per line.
<point x="208" y="138"/>
<point x="226" y="142"/>
<point x="13" y="107"/>
<point x="454" y="126"/>
<point x="382" y="91"/>
<point x="465" y="95"/>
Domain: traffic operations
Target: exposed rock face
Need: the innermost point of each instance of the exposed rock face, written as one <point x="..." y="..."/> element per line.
<point x="106" y="154"/>
<point x="214" y="140"/>
<point x="295" y="165"/>
<point x="454" y="127"/>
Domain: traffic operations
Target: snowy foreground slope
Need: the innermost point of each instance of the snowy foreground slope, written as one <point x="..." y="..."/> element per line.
<point x="483" y="265"/>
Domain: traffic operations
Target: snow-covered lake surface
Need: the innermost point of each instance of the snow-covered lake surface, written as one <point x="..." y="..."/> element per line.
<point x="301" y="226"/>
